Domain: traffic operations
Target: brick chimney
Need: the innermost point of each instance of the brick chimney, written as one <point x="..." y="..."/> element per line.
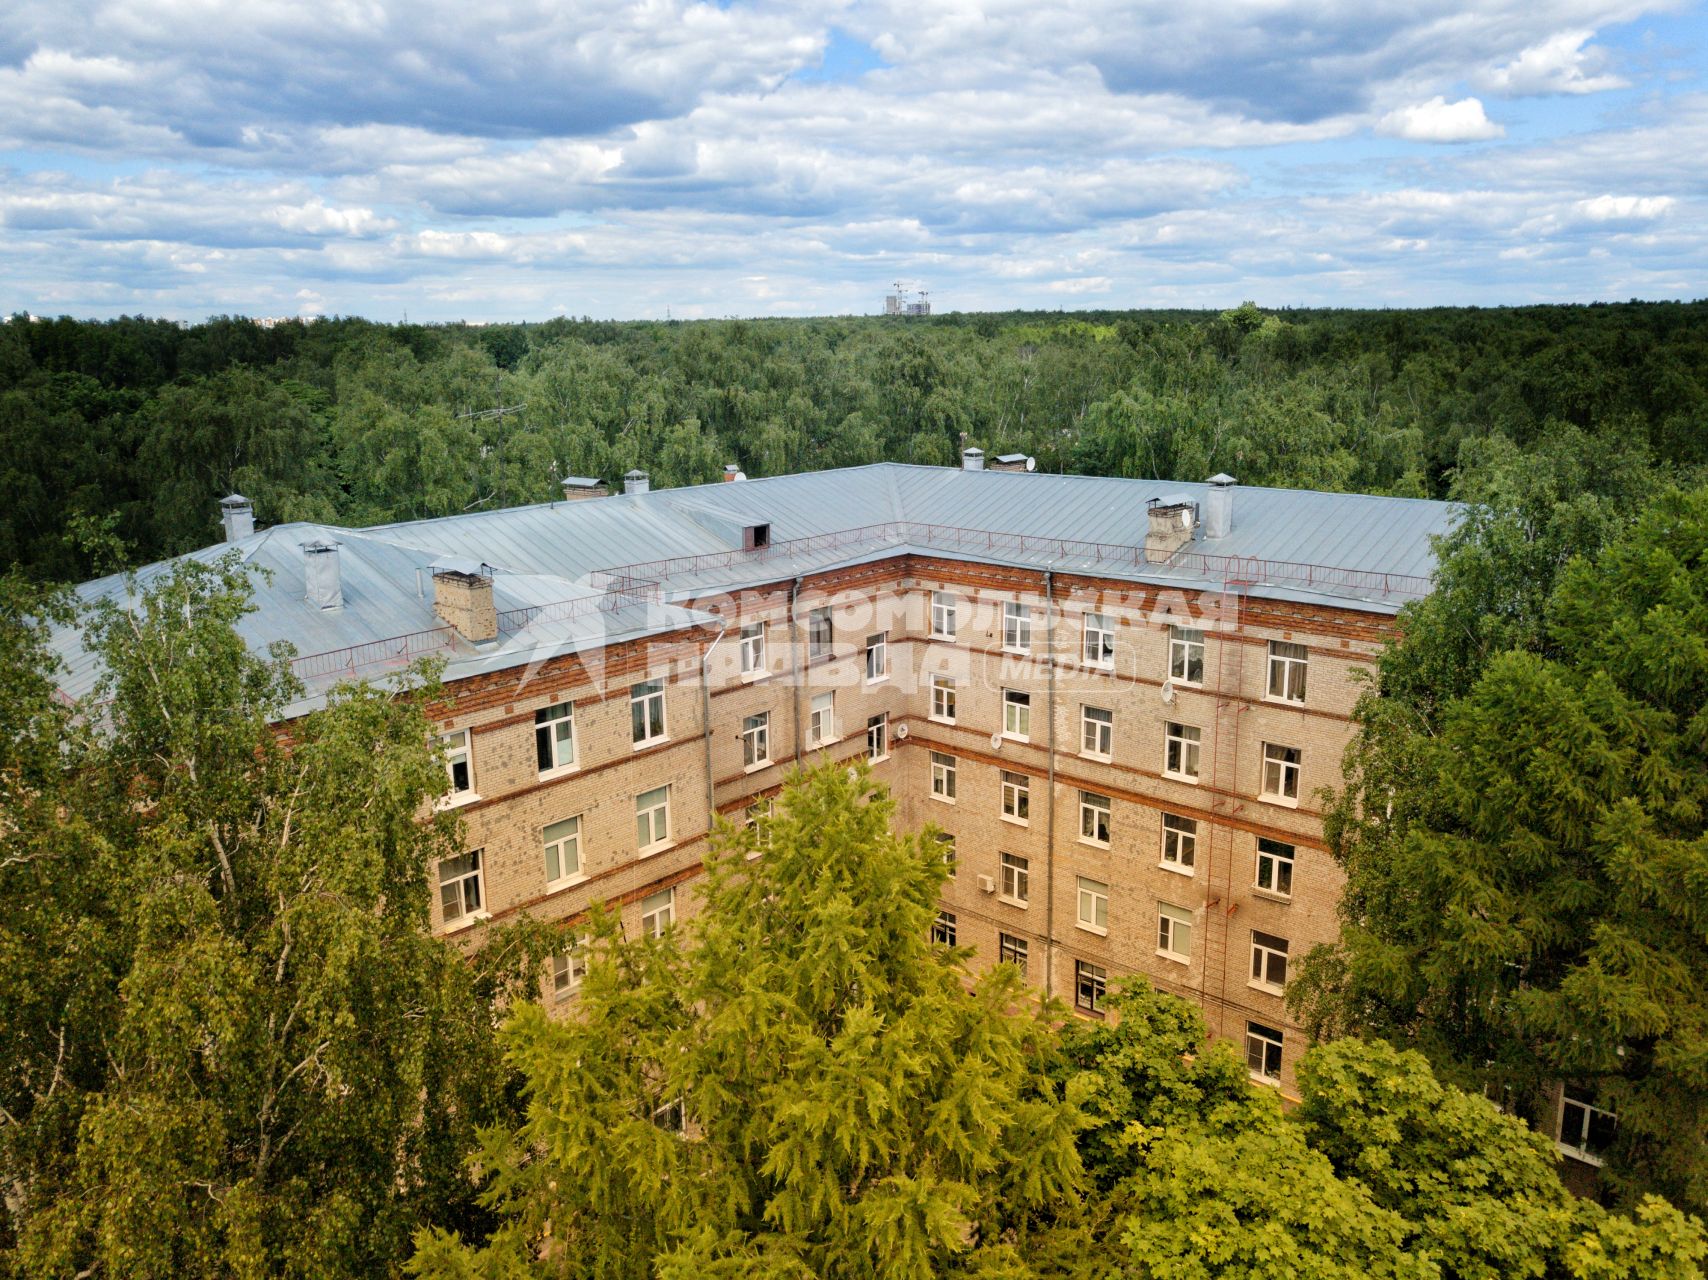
<point x="1171" y="521"/>
<point x="462" y="596"/>
<point x="575" y="488"/>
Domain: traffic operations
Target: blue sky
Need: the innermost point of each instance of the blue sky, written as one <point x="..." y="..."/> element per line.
<point x="528" y="158"/>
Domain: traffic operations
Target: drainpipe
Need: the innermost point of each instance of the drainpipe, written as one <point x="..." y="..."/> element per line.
<point x="706" y="719"/>
<point x="1050" y="819"/>
<point x="795" y="663"/>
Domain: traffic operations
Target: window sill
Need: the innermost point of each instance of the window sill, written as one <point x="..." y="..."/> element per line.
<point x="877" y="759"/>
<point x="941" y="719"/>
<point x="1098" y="664"/>
<point x="883" y="679"/>
<point x="1174" y="959"/>
<point x="568" y="882"/>
<point x="756" y="766"/>
<point x="651" y="742"/>
<point x="1011" y="902"/>
<point x="943" y="799"/>
<point x="1015" y="822"/>
<point x="1179" y="683"/>
<point x="1174" y="868"/>
<point x="1274" y="701"/>
<point x="457" y="801"/>
<point x="466" y="922"/>
<point x="1578" y="1154"/>
<point x="562" y="997"/>
<point x="1097" y="756"/>
<point x="1268" y="1082"/>
<point x="1091" y="928"/>
<point x="1016" y="737"/>
<point x="1093" y="844"/>
<point x="822" y="743"/>
<point x="562" y="771"/>
<point x="1280" y="802"/>
<point x="1266" y="989"/>
<point x="653" y="850"/>
<point x="1190" y="779"/>
<point x="948" y="637"/>
<point x="1271" y="896"/>
<point x="754" y="677"/>
<point x="1016" y="653"/>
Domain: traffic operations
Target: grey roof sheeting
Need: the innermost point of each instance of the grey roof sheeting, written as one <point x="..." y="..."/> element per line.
<point x="553" y="553"/>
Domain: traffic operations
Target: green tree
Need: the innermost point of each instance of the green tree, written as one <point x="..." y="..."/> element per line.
<point x="1526" y="880"/>
<point x="233" y="1047"/>
<point x="852" y="1107"/>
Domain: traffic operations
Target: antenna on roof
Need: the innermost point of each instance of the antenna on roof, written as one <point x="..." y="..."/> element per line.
<point x="495" y="414"/>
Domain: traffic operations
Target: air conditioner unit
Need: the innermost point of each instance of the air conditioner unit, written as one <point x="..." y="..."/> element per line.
<point x="901" y="733"/>
<point x="987" y="884"/>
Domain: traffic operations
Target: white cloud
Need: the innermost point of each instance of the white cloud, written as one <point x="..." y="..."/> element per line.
<point x="1559" y="64"/>
<point x="1625" y="208"/>
<point x="1439" y="120"/>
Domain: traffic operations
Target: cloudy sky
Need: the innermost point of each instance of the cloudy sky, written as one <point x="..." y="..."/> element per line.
<point x="518" y="160"/>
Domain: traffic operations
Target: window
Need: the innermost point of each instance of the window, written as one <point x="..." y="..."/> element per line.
<point x="946" y="842"/>
<point x="1016" y="626"/>
<point x="459" y="764"/>
<point x="563" y="851"/>
<point x="646" y="711"/>
<point x="460" y="886"/>
<point x="671" y="1116"/>
<point x="1093" y="817"/>
<point x="1180" y="752"/>
<point x="753" y="649"/>
<point x="652" y="819"/>
<point x="1017" y="715"/>
<point x="1268" y="961"/>
<point x="658" y="912"/>
<point x="1586" y="1131"/>
<point x="878" y="656"/>
<point x="819" y="633"/>
<point x="942" y="776"/>
<point x="757" y="817"/>
<point x="1011" y="950"/>
<point x="1016" y="796"/>
<point x="568" y="969"/>
<point x="943" y="608"/>
<point x="1090" y="985"/>
<point x="1173" y="932"/>
<point x="1093" y="905"/>
<point x="821" y="723"/>
<point x="756" y="740"/>
<point x="1280" y="773"/>
<point x="1263" y="1052"/>
<point x="554" y="737"/>
<point x="1186" y="655"/>
<point x="878" y="736"/>
<point x="1099" y="641"/>
<point x="1275" y="867"/>
<point x="1287" y="666"/>
<point x="1096" y="732"/>
<point x="943" y="928"/>
<point x="1179" y="842"/>
<point x="943" y="699"/>
<point x="1016" y="878"/>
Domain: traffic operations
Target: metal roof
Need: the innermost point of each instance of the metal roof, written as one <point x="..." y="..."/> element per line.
<point x="552" y="563"/>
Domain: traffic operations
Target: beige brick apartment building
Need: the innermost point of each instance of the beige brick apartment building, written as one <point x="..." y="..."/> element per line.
<point x="1117" y="699"/>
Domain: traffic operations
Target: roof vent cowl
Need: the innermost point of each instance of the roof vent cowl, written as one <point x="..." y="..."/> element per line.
<point x="637" y="481"/>
<point x="972" y="459"/>
<point x="1219" y="506"/>
<point x="236" y="516"/>
<point x="323" y="575"/>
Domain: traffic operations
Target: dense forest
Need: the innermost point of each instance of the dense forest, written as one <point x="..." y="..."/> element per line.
<point x="137" y="426"/>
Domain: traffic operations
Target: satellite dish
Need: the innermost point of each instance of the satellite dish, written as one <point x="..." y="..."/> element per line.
<point x="996" y="740"/>
<point x="1168" y="691"/>
<point x="1031" y="464"/>
<point x="901" y="733"/>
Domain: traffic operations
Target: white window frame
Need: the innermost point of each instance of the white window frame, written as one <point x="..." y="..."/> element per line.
<point x="1091" y="804"/>
<point x="1017" y="715"/>
<point x="944" y="929"/>
<point x="470" y="905"/>
<point x="565" y="846"/>
<point x="1289" y="665"/>
<point x="652" y="820"/>
<point x="1179" y="844"/>
<point x="1182" y="746"/>
<point x="459" y="750"/>
<point x="1011" y="949"/>
<point x="756" y="741"/>
<point x="946" y="844"/>
<point x="1015" y="885"/>
<point x="943" y="777"/>
<point x="1185" y="644"/>
<point x="1016" y="626"/>
<point x="1276" y="864"/>
<point x="753" y="650"/>
<point x="1266" y="958"/>
<point x="1016" y="797"/>
<point x="820" y="646"/>
<point x="1096" y="732"/>
<point x="1586" y="1111"/>
<point x="877" y="657"/>
<point x="1098" y="642"/>
<point x="646" y="705"/>
<point x="554" y="739"/>
<point x="821" y="720"/>
<point x="1259" y="1041"/>
<point x="878" y="737"/>
<point x="945" y="606"/>
<point x="1093" y="906"/>
<point x="569" y="969"/>
<point x="1174" y="927"/>
<point x="1090" y="986"/>
<point x="1281" y="774"/>
<point x="942" y="699"/>
<point x="658" y="912"/>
